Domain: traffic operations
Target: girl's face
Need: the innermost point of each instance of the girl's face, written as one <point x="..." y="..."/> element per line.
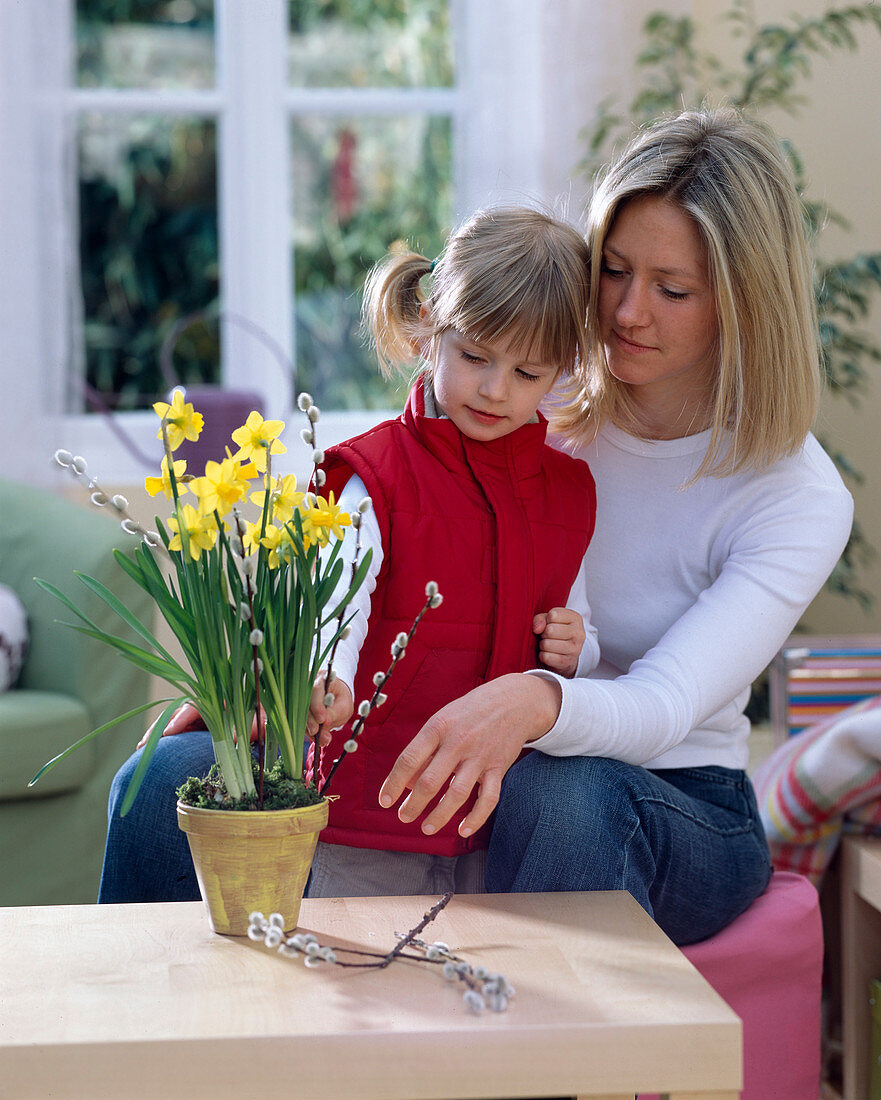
<point x="657" y="312"/>
<point x="487" y="389"/>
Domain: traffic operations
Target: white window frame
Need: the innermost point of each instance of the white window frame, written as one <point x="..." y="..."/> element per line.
<point x="511" y="93"/>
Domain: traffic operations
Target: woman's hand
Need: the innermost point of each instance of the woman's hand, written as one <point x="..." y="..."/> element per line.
<point x="184" y="719"/>
<point x="332" y="717"/>
<point x="561" y="632"/>
<point x="471" y="741"/>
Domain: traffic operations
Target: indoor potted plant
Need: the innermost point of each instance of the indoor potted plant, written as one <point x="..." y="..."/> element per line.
<point x="257" y="606"/>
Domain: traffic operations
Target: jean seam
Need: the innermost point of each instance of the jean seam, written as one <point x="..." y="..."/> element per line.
<point x="747" y="827"/>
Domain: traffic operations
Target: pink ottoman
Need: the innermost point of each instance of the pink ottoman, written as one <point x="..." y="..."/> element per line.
<point x="768" y="966"/>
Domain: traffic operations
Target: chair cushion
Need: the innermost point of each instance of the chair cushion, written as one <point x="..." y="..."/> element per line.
<point x="13" y="637"/>
<point x="34" y="727"/>
<point x="767" y="965"/>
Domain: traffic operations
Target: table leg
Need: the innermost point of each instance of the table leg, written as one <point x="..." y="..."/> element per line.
<point x="861" y="956"/>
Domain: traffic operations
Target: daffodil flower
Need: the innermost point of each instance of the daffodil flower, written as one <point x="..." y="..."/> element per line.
<point x="257" y="439"/>
<point x="181" y="420"/>
<point x="325" y="518"/>
<point x="162" y="484"/>
<point x="222" y="486"/>
<point x="283" y="493"/>
<point x="201" y="531"/>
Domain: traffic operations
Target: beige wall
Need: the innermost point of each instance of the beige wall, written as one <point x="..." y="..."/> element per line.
<point x="838" y="133"/>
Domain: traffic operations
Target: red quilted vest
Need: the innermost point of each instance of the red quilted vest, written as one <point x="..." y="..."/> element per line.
<point x="502" y="528"/>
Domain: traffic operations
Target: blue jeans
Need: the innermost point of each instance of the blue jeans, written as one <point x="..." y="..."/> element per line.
<point x="687" y="843"/>
<point x="147" y="857"/>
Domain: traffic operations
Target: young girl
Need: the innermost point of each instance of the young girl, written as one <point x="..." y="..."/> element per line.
<point x="465" y="493"/>
<point x="721" y="517"/>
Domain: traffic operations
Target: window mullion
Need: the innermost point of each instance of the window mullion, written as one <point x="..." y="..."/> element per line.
<point x="254" y="199"/>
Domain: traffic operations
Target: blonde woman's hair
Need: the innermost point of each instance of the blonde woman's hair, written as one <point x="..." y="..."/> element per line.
<point x="510" y="273"/>
<point x="729" y="174"/>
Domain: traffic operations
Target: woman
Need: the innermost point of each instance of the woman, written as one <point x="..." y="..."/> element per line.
<point x="718" y="519"/>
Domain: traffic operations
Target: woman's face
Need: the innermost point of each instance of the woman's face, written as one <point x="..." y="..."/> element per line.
<point x="657" y="312"/>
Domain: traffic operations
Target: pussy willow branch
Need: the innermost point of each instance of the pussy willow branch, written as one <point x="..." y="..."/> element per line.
<point x="259" y="717"/>
<point x="380" y="680"/>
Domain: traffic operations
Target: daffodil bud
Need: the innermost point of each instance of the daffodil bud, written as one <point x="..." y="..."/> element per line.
<point x="431" y="588"/>
<point x="256" y="637"/>
<point x="364" y="708"/>
<point x="63" y="458"/>
<point x="304" y="401"/>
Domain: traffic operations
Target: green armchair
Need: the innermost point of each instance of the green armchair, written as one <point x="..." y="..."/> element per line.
<point x="52" y="835"/>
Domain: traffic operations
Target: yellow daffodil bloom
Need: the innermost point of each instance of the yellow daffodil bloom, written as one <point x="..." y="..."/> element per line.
<point x="222" y="486"/>
<point x="283" y="493"/>
<point x="201" y="531"/>
<point x="181" y="421"/>
<point x="162" y="484"/>
<point x="257" y="439"/>
<point x="324" y="519"/>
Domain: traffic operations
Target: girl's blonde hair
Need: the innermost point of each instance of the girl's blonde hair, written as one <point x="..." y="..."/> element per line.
<point x="729" y="174"/>
<point x="512" y="272"/>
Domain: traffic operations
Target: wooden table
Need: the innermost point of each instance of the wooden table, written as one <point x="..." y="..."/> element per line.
<point x="860" y="955"/>
<point x="144" y="1000"/>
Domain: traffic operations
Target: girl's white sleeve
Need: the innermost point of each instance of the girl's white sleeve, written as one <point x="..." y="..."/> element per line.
<point x="345" y="659"/>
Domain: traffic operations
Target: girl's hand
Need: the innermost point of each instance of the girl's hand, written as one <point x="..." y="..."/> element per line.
<point x="471" y="741"/>
<point x="332" y="717"/>
<point x="184" y="719"/>
<point x="562" y="636"/>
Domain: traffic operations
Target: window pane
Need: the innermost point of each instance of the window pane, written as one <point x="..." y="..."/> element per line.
<point x="148" y="251"/>
<point x="145" y="43"/>
<point x="370" y="43"/>
<point x="359" y="186"/>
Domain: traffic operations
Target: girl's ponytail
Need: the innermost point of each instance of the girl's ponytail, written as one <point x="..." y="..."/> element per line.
<point x="391" y="312"/>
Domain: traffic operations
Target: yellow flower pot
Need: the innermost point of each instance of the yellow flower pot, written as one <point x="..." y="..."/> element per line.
<point x="251" y="859"/>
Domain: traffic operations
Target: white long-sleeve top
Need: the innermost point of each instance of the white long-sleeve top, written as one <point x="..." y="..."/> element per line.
<point x="692" y="592"/>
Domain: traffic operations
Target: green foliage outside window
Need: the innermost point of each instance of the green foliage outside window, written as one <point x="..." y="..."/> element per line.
<point x="773" y="60"/>
<point x="148" y="205"/>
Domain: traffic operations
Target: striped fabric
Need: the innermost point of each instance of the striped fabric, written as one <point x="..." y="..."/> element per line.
<point x="820" y="783"/>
